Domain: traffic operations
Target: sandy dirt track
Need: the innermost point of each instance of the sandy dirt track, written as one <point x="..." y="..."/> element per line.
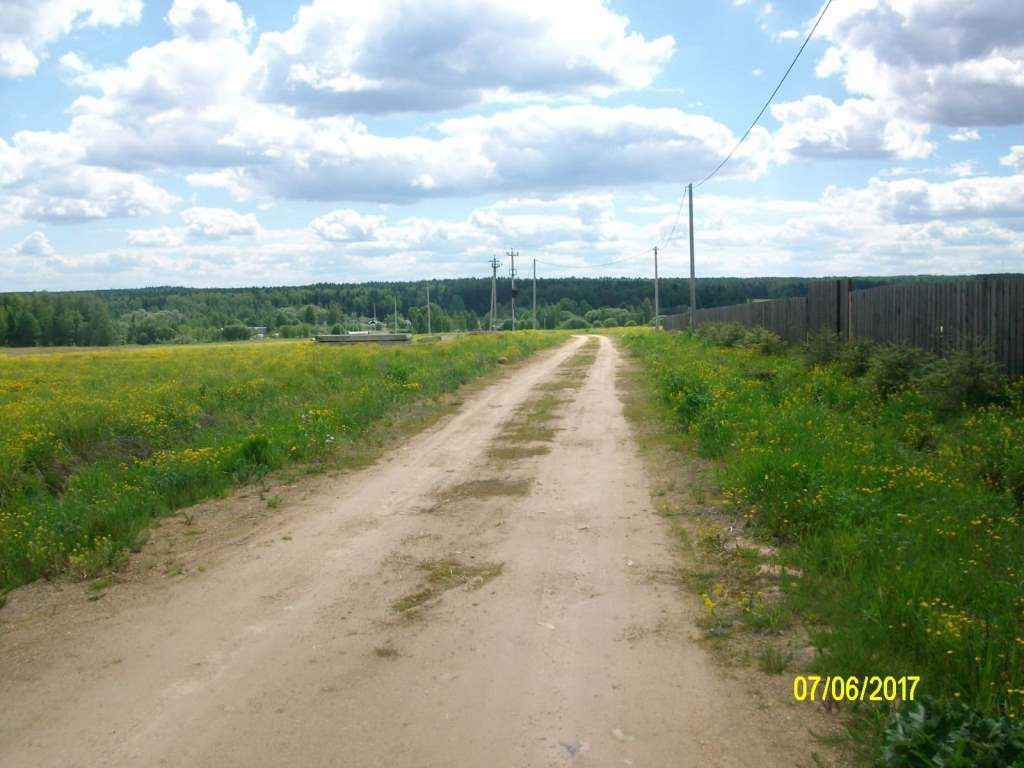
<point x="287" y="650"/>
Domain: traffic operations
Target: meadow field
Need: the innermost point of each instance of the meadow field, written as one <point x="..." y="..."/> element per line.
<point x="94" y="445"/>
<point x="898" y="500"/>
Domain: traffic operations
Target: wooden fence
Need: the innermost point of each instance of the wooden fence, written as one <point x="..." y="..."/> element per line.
<point x="938" y="317"/>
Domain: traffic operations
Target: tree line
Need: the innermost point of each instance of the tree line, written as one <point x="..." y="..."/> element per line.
<point x="180" y="315"/>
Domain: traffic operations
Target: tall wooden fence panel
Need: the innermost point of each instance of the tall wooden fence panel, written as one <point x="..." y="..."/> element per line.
<point x="938" y="317"/>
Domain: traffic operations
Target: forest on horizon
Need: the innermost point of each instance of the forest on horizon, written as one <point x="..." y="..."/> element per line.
<point x="162" y="315"/>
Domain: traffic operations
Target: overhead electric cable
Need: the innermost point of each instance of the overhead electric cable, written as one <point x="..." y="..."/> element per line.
<point x="728" y="157"/>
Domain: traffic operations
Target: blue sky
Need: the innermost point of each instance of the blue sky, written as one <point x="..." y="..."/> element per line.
<point x="213" y="143"/>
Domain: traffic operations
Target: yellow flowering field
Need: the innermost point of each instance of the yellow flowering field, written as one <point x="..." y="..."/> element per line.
<point x="95" y="444"/>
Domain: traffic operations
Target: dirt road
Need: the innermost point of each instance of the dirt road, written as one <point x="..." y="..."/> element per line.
<point x="487" y="596"/>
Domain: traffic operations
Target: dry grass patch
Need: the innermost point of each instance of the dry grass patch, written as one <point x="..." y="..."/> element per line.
<point x="489" y="488"/>
<point x="515" y="452"/>
<point x="444" y="575"/>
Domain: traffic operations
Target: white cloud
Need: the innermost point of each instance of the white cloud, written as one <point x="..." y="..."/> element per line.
<point x="43" y="178"/>
<point x="961" y="169"/>
<point x="431" y="55"/>
<point x="346" y="226"/>
<point x="36" y="245"/>
<point x="161" y="237"/>
<point x="913" y="200"/>
<point x="30" y="26"/>
<point x="1015" y="159"/>
<point x="964" y="134"/>
<point x="940" y="61"/>
<point x="817" y="127"/>
<point x="208" y="20"/>
<point x="218" y="223"/>
<point x="531" y="149"/>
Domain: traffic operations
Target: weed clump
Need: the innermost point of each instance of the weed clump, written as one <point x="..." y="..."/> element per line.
<point x="894" y="367"/>
<point x="967" y="378"/>
<point x="928" y="732"/>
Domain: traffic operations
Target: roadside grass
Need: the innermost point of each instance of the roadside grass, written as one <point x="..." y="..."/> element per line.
<point x="898" y="516"/>
<point x="96" y="445"/>
<point x="443" y="575"/>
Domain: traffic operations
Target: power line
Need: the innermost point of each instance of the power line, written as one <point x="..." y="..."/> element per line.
<point x="743" y="138"/>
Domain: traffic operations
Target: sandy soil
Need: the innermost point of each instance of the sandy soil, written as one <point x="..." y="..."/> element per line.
<point x="286" y="647"/>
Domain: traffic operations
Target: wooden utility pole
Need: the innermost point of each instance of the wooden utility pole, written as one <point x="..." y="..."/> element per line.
<point x="693" y="274"/>
<point x="535" y="294"/>
<point x="657" y="307"/>
<point x="428" y="309"/>
<point x="512" y="256"/>
<point x="494" y="288"/>
<point x="396" y="314"/>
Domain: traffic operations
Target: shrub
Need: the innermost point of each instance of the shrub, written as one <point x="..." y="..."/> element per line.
<point x="764" y="341"/>
<point x="574" y="322"/>
<point x="822" y="347"/>
<point x="951" y="735"/>
<point x="722" y="334"/>
<point x="235" y="333"/>
<point x="855" y="357"/>
<point x="895" y="366"/>
<point x="966" y="378"/>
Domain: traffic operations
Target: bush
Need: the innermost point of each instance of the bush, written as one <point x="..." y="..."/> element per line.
<point x="574" y="322"/>
<point x="764" y="341"/>
<point x="722" y="334"/>
<point x="822" y="347"/>
<point x="949" y="734"/>
<point x="966" y="378"/>
<point x="235" y="333"/>
<point x="895" y="366"/>
<point x="855" y="357"/>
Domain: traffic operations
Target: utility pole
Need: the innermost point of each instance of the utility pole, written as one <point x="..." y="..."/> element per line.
<point x="494" y="288"/>
<point x="535" y="294"/>
<point x="657" y="307"/>
<point x="396" y="314"/>
<point x="512" y="256"/>
<point x="428" y="309"/>
<point x="693" y="274"/>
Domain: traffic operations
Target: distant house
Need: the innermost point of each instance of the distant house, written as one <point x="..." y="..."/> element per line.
<point x="258" y="331"/>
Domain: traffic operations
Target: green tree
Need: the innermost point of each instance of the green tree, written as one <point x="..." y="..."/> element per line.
<point x="27" y="331"/>
<point x="235" y="332"/>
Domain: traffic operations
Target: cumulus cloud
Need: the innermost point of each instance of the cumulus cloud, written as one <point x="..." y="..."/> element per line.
<point x="43" y="177"/>
<point x="940" y="61"/>
<point x="346" y="226"/>
<point x="431" y="55"/>
<point x="817" y="127"/>
<point x="520" y="150"/>
<point x="911" y="200"/>
<point x="1015" y="159"/>
<point x="964" y="134"/>
<point x="36" y="245"/>
<point x="160" y="237"/>
<point x="208" y="20"/>
<point x="218" y="223"/>
<point x="30" y="26"/>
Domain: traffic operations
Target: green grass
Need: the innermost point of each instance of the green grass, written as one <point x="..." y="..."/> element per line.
<point x="911" y="549"/>
<point x="94" y="445"/>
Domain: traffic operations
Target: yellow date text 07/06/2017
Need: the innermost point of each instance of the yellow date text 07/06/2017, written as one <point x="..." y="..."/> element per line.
<point x="855" y="688"/>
